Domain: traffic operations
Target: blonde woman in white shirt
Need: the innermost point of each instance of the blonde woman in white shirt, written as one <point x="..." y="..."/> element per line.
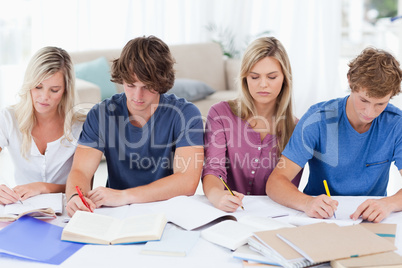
<point x="40" y="132"/>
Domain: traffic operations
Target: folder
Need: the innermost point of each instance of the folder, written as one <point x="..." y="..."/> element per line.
<point x="36" y="240"/>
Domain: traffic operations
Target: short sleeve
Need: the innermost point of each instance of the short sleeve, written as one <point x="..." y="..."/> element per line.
<point x="215" y="145"/>
<point x="91" y="135"/>
<point x="398" y="145"/>
<point x="189" y="128"/>
<point x="303" y="142"/>
<point x="6" y="126"/>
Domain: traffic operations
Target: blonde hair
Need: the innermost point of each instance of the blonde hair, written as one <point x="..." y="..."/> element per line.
<point x="244" y="105"/>
<point x="45" y="63"/>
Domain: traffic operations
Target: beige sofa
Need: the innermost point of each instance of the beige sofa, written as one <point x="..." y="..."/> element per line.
<point x="203" y="62"/>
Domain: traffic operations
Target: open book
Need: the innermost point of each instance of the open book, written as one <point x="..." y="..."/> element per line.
<point x="86" y="227"/>
<point x="39" y="206"/>
<point x="191" y="213"/>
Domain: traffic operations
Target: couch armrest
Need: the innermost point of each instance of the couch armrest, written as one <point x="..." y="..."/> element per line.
<point x="232" y="70"/>
<point x="86" y="92"/>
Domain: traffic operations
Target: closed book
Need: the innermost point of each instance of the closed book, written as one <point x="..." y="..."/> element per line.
<point x="271" y="246"/>
<point x="246" y="253"/>
<point x="233" y="234"/>
<point x="323" y="242"/>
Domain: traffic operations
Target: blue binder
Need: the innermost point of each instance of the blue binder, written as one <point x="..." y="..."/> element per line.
<point x="36" y="240"/>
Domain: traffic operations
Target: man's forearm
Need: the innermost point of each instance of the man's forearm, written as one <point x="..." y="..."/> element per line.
<point x="282" y="191"/>
<point x="162" y="189"/>
<point x="76" y="178"/>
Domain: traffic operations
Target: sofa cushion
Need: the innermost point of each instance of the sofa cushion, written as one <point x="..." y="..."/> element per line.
<point x="205" y="104"/>
<point x="203" y="62"/>
<point x="98" y="72"/>
<point x="191" y="90"/>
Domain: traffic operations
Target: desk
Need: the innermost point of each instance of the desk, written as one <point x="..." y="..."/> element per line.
<point x="204" y="254"/>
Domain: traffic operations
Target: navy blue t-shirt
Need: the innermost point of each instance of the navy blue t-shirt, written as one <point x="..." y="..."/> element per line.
<point x="138" y="156"/>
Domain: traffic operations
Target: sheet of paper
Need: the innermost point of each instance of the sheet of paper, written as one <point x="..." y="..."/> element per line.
<point x="345" y="208"/>
<point x="303" y="219"/>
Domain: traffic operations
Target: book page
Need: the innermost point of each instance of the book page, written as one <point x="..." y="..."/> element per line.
<point x="53" y="200"/>
<point x="150" y="225"/>
<point x="87" y="224"/>
<point x="189" y="213"/>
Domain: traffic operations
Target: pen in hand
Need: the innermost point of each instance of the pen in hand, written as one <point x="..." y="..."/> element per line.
<point x="327" y="190"/>
<point x="82" y="198"/>
<point x="230" y="191"/>
<point x="19" y="197"/>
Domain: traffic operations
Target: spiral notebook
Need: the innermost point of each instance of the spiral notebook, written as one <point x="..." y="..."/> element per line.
<point x="324" y="242"/>
<point x="270" y="245"/>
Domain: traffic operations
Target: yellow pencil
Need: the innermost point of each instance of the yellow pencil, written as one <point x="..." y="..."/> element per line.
<point x="328" y="193"/>
<point x="227" y="187"/>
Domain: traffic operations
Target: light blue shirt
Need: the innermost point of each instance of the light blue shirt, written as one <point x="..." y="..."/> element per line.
<point x="352" y="163"/>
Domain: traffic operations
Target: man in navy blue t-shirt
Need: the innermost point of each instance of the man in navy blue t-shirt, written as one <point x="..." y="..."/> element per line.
<point x="349" y="142"/>
<point x="152" y="141"/>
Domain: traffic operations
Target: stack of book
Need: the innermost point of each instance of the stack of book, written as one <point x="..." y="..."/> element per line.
<point x="343" y="246"/>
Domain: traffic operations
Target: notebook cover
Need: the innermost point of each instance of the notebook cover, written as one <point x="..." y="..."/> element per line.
<point x="325" y="242"/>
<point x="36" y="240"/>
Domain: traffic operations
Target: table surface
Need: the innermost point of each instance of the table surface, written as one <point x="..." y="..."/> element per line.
<point x="204" y="253"/>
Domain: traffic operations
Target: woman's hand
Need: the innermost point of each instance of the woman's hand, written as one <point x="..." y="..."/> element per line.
<point x="225" y="201"/>
<point x="7" y="195"/>
<point x="26" y="191"/>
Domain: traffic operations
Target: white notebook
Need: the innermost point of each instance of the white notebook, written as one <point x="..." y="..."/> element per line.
<point x="233" y="234"/>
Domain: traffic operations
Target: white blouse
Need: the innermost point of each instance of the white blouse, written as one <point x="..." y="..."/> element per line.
<point x="52" y="167"/>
